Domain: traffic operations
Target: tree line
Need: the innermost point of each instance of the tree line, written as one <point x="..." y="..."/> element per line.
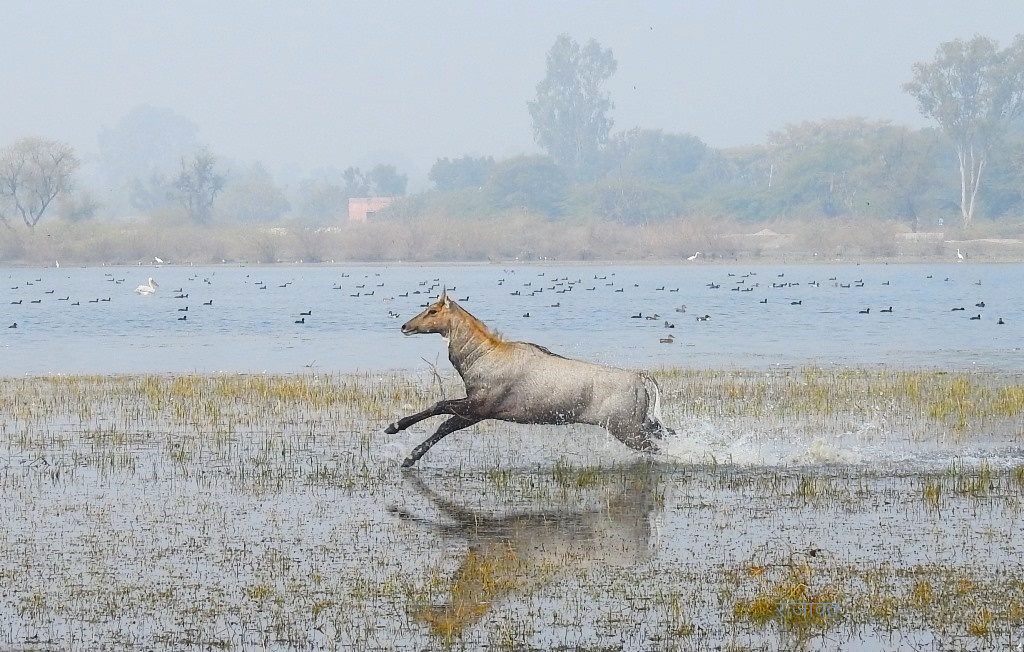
<point x="970" y="163"/>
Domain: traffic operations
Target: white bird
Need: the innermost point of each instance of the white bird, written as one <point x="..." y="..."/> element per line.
<point x="158" y="259"/>
<point x="959" y="256"/>
<point x="148" y="288"/>
<point x="694" y="256"/>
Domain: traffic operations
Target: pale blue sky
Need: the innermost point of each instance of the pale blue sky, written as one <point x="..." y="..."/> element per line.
<point x="302" y="85"/>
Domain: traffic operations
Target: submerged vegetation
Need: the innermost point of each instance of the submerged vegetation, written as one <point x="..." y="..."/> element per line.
<point x="240" y="511"/>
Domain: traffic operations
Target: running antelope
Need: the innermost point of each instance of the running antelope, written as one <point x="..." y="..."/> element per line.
<point x="526" y="383"/>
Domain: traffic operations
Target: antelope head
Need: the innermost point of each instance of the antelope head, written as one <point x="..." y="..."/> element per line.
<point x="435" y="318"/>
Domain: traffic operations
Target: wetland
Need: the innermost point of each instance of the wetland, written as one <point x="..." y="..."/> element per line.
<point x="268" y="511"/>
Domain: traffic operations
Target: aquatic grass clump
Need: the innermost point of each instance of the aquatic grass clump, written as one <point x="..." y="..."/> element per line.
<point x="773" y="594"/>
<point x="931" y="493"/>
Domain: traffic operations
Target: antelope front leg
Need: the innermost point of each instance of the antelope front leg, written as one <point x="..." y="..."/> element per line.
<point x="457" y="407"/>
<point x="445" y="429"/>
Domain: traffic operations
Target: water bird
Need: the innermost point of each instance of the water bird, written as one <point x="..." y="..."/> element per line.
<point x="308" y="312"/>
<point x="185" y="296"/>
<point x="64" y="298"/>
<point x="638" y="315"/>
<point x="889" y="309"/>
<point x="300" y="321"/>
<point x="865" y="311"/>
<point x="704" y="318"/>
<point x="105" y="300"/>
<point x="959" y="256"/>
<point x="14" y="325"/>
<point x="183" y="318"/>
<point x="694" y="256"/>
<point x="185" y="309"/>
<point x="36" y="301"/>
<point x="76" y="303"/>
<point x="668" y="325"/>
<point x="960" y="308"/>
<point x="158" y="259"/>
<point x="147" y="289"/>
<point x="1000" y="322"/>
<point x="16" y="303"/>
<point x="526" y="314"/>
<point x="797" y="303"/>
<point x="976" y="318"/>
<point x="557" y="305"/>
<point x="980" y="304"/>
<point x="765" y="300"/>
<point x="208" y="303"/>
<point x="681" y="308"/>
<point x="667" y="340"/>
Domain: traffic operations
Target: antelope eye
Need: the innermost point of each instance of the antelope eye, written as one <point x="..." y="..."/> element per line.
<point x="432" y="311"/>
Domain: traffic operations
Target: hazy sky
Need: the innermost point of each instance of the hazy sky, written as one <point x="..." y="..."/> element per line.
<point x="301" y="85"/>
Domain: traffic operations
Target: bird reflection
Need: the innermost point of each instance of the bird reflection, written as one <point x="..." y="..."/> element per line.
<point x="512" y="554"/>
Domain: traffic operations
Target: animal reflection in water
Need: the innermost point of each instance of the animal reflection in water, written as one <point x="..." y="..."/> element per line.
<point x="515" y="554"/>
<point x="526" y="383"/>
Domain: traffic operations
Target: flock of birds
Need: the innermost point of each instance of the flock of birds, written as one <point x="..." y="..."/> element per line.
<point x="428" y="289"/>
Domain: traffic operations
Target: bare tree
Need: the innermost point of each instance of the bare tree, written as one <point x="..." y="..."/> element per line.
<point x="198" y="184"/>
<point x="33" y="172"/>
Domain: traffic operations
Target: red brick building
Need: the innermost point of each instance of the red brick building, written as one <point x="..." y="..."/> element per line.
<point x="360" y="208"/>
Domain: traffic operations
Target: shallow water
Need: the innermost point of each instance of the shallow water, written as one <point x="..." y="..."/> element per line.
<point x="248" y="329"/>
<point x="239" y="513"/>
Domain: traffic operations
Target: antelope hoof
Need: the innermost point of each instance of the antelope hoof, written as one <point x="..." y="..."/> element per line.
<point x="392" y="429"/>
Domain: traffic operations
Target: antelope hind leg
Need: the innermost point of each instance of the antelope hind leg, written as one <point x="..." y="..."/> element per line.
<point x="640" y="438"/>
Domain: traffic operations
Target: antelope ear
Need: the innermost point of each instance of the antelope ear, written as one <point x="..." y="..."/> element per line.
<point x="443" y="299"/>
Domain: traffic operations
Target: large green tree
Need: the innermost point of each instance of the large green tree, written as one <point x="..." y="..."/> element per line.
<point x="973" y="89"/>
<point x="459" y="173"/>
<point x="532" y="183"/>
<point x="252" y="196"/>
<point x="570" y="113"/>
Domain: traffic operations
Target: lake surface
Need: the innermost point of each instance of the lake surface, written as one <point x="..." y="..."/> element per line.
<point x="250" y="325"/>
